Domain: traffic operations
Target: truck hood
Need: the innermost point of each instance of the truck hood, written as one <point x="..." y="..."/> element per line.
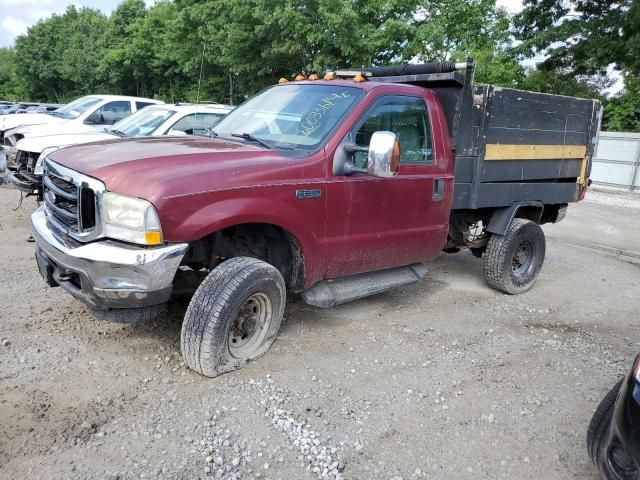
<point x="155" y="168"/>
<point x="38" y="144"/>
<point x="62" y="127"/>
<point x="16" y="120"/>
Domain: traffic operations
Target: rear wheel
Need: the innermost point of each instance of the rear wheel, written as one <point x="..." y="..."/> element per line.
<point x="233" y="317"/>
<point x="513" y="261"/>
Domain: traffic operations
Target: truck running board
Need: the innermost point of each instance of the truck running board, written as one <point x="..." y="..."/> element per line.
<point x="327" y="294"/>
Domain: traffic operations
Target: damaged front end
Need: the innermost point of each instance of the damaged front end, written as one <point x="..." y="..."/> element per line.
<point x="26" y="174"/>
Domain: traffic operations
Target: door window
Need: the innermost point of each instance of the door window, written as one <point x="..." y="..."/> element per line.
<point x="141" y="105"/>
<point x="197" y="123"/>
<point x="408" y="118"/>
<point x="111" y="112"/>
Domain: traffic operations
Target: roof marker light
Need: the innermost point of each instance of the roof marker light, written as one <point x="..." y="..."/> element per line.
<point x="300" y="77"/>
<point x="358" y="78"/>
<point x="329" y="76"/>
<point x="283" y="80"/>
<point x="313" y="76"/>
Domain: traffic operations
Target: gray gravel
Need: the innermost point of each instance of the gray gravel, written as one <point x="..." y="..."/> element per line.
<point x="444" y="379"/>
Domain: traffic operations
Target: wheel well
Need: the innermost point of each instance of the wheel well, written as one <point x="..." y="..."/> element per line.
<point x="530" y="212"/>
<point x="267" y="242"/>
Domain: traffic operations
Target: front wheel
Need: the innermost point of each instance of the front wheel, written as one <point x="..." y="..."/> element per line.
<point x="233" y="317"/>
<point x="612" y="460"/>
<point x="513" y="261"/>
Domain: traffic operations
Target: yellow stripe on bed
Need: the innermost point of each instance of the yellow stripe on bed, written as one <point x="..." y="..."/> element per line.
<point x="497" y="151"/>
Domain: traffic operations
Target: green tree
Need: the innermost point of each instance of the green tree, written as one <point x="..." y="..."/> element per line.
<point x="584" y="36"/>
<point x="540" y="80"/>
<point x="580" y="41"/>
<point x="11" y="85"/>
<point x="497" y="66"/>
<point x="58" y="58"/>
<point x="622" y="112"/>
<point x="452" y="29"/>
<point x="122" y="67"/>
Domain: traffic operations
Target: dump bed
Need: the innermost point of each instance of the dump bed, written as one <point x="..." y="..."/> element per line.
<point x="509" y="145"/>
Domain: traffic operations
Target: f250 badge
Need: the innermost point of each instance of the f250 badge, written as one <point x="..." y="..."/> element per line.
<point x="307" y="194"/>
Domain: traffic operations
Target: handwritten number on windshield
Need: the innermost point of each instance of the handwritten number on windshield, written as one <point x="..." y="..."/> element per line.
<point x="311" y="121"/>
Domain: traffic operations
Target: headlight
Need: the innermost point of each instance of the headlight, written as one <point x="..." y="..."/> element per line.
<point x="37" y="169"/>
<point x="12" y="153"/>
<point x="130" y="219"/>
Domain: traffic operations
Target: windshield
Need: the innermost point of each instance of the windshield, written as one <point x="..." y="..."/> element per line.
<point x="76" y="108"/>
<point x="291" y="116"/>
<point x="142" y="123"/>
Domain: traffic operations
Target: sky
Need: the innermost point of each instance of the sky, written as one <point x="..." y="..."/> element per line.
<point x="17" y="15"/>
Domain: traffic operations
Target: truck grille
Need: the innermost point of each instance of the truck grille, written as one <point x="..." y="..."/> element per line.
<point x="70" y="203"/>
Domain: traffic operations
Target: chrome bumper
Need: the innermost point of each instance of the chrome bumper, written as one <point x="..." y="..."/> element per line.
<point x="106" y="274"/>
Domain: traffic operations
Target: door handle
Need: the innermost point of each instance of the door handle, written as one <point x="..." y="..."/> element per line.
<point x="438" y="189"/>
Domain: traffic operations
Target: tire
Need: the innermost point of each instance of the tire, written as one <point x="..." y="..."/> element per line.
<point x="233" y="317"/>
<point x="128" y="315"/>
<point x="513" y="261"/>
<point x="598" y="437"/>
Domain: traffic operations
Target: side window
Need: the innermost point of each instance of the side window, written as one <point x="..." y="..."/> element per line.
<point x="408" y="118"/>
<point x="111" y="112"/>
<point x="141" y="105"/>
<point x="197" y="123"/>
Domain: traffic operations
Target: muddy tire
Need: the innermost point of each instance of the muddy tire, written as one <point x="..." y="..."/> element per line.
<point x="233" y="317"/>
<point x="513" y="261"/>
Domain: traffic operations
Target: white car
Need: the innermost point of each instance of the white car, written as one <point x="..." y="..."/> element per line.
<point x="152" y="121"/>
<point x="90" y="113"/>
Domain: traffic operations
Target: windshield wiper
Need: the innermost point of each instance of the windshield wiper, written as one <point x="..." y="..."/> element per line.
<point x="119" y="133"/>
<point x="251" y="138"/>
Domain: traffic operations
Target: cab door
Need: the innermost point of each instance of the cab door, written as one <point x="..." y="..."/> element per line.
<point x="376" y="223"/>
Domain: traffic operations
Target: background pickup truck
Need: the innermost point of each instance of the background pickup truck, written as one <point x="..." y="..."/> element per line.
<point x="334" y="189"/>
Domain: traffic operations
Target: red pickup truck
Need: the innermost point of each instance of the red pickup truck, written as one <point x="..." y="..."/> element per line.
<point x="333" y="188"/>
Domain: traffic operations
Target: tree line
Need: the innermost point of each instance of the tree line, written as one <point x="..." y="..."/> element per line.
<point x="225" y="50"/>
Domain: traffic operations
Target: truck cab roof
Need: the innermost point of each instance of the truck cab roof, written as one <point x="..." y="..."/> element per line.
<point x="366" y="85"/>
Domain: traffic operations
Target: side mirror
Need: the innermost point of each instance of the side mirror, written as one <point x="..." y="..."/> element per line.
<point x="96" y="118"/>
<point x="177" y="133"/>
<point x="384" y="155"/>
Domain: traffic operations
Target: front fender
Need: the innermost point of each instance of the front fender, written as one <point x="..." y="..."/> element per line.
<point x="190" y="218"/>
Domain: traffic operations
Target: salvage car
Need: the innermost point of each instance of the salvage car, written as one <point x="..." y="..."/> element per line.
<point x="334" y="188"/>
<point x="151" y="121"/>
<point x="92" y="112"/>
<point x="613" y="438"/>
<point x="17" y="108"/>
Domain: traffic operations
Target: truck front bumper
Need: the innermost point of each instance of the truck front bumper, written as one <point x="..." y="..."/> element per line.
<point x="105" y="274"/>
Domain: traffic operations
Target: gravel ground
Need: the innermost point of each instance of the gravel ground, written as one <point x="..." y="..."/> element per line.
<point x="444" y="379"/>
